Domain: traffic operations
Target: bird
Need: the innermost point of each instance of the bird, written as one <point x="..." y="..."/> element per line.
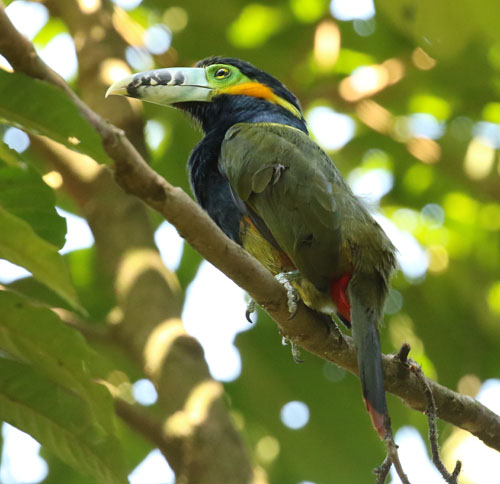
<point x="272" y="189"/>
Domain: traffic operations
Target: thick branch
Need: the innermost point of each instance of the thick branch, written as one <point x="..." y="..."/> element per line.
<point x="308" y="329"/>
<point x="143" y="424"/>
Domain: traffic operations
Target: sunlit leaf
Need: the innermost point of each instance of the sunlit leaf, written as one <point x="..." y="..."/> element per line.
<point x="24" y="194"/>
<point x="20" y="245"/>
<point x="37" y="336"/>
<point x="42" y="108"/>
<point x="59" y="420"/>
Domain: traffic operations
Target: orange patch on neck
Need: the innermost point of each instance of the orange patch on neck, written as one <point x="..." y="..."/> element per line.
<point x="258" y="90"/>
<point x="254" y="89"/>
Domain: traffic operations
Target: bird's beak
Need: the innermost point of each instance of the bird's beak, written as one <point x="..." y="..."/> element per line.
<point x="165" y="86"/>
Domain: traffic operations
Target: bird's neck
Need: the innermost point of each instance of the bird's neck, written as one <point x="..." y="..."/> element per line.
<point x="218" y="116"/>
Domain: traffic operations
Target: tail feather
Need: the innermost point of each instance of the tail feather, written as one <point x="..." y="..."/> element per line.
<point x="372" y="378"/>
<point x="366" y="300"/>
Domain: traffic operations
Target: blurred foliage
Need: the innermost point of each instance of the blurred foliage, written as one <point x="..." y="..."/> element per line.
<point x="421" y="81"/>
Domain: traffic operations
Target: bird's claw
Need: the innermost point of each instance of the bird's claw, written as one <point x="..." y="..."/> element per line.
<point x="250" y="310"/>
<point x="285" y="278"/>
<point x="295" y="350"/>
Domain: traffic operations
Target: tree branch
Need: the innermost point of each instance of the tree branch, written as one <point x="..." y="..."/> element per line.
<point x="308" y="329"/>
<point x="143" y="424"/>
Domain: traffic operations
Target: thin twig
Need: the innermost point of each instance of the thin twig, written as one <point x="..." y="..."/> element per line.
<point x="430" y="412"/>
<point x="392" y="449"/>
<point x="391" y="457"/>
<point x="392" y="453"/>
<point x="382" y="471"/>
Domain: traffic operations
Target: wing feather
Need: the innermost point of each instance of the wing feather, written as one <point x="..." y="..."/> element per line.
<point x="291" y="184"/>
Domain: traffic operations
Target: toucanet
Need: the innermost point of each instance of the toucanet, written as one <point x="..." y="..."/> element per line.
<point x="273" y="190"/>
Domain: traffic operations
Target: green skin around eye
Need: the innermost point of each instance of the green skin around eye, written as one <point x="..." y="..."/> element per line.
<point x="233" y="77"/>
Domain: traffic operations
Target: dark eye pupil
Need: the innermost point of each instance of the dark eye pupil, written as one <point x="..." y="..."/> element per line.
<point x="221" y="73"/>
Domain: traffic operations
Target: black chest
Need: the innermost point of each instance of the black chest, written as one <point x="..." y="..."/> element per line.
<point x="212" y="190"/>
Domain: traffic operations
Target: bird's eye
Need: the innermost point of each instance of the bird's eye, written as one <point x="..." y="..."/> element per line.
<point x="221" y="73"/>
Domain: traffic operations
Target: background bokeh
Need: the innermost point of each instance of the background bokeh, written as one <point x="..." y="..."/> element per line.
<point x="404" y="95"/>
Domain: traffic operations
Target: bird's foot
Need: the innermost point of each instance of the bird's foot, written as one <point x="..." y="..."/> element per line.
<point x="250" y="310"/>
<point x="333" y="327"/>
<point x="295" y="350"/>
<point x="285" y="279"/>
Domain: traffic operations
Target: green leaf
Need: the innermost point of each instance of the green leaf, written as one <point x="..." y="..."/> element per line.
<point x="41" y="108"/>
<point x="24" y="194"/>
<point x="60" y="421"/>
<point x="37" y="336"/>
<point x="20" y="245"/>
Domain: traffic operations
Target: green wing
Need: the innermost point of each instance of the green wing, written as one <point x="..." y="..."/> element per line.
<point x="291" y="184"/>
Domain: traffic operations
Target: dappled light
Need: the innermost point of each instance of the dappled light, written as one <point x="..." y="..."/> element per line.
<point x="89" y="6"/>
<point x="157" y="39"/>
<point x="422" y="60"/>
<point x="404" y="101"/>
<point x="139" y="58"/>
<point x="332" y="130"/>
<point x="479" y="158"/>
<point x="144" y="392"/>
<point x="196" y="410"/>
<point x="176" y="18"/>
<point x="424" y="149"/>
<point x="295" y="415"/>
<point x="363" y="82"/>
<point x="255" y="25"/>
<point x="114" y="69"/>
<point x="352" y="9"/>
<point x="159" y="344"/>
<point x="267" y="449"/>
<point x="128" y="28"/>
<point x="326" y="44"/>
<point x="128" y="4"/>
<point x="374" y="115"/>
<point x="469" y="384"/>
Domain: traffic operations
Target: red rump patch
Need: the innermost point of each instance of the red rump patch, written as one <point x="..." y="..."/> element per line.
<point x="338" y="292"/>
